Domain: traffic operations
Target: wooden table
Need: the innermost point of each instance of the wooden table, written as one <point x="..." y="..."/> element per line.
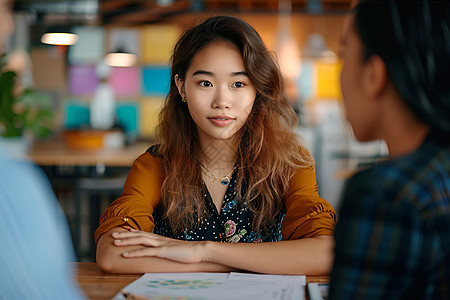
<point x="79" y="173"/>
<point x="54" y="152"/>
<point x="98" y="285"/>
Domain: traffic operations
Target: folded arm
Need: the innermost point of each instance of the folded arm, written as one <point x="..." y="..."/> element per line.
<point x="307" y="226"/>
<point x="111" y="260"/>
<point x="139" y="252"/>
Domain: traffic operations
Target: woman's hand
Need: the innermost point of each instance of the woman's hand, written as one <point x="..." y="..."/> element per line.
<point x="159" y="246"/>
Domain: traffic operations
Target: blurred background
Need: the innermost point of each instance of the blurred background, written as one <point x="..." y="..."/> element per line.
<point x="88" y="78"/>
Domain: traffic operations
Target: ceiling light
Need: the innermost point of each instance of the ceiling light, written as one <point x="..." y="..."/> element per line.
<point x="120" y="59"/>
<point x="59" y="38"/>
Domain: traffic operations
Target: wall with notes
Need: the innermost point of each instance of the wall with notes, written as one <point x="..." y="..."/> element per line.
<point x="71" y="71"/>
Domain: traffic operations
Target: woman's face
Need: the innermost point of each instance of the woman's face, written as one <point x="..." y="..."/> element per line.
<point x="6" y="21"/>
<point x="218" y="92"/>
<point x="359" y="110"/>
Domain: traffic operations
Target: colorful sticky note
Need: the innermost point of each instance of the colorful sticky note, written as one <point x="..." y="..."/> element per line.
<point x="82" y="79"/>
<point x="90" y="48"/>
<point x="157" y="43"/>
<point x="76" y="114"/>
<point x="305" y="81"/>
<point x="156" y="80"/>
<point x="125" y="81"/>
<point x="328" y="80"/>
<point x="150" y="109"/>
<point x="128" y="117"/>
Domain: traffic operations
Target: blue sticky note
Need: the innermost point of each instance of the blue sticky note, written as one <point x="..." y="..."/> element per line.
<point x="76" y="114"/>
<point x="305" y="81"/>
<point x="128" y="117"/>
<point x="155" y="80"/>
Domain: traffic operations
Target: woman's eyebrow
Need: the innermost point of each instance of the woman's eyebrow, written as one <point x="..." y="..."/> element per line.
<point x="233" y="74"/>
<point x="241" y="73"/>
<point x="203" y="72"/>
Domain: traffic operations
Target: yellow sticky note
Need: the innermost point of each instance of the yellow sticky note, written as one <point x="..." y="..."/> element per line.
<point x="158" y="42"/>
<point x="150" y="108"/>
<point x="328" y="80"/>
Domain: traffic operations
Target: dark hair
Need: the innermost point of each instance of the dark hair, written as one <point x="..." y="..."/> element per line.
<point x="269" y="150"/>
<point x="413" y="39"/>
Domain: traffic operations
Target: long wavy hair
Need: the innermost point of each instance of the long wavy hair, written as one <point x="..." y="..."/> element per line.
<point x="269" y="151"/>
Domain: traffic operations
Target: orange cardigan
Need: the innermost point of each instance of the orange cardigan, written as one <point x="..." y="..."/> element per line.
<point x="307" y="214"/>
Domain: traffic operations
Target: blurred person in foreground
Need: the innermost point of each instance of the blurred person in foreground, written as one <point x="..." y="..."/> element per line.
<point x="34" y="237"/>
<point x="393" y="232"/>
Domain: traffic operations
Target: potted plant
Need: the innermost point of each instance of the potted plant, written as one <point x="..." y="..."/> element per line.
<point x="23" y="112"/>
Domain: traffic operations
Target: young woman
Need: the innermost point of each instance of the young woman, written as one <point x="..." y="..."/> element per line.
<point x="229" y="169"/>
<point x="392" y="237"/>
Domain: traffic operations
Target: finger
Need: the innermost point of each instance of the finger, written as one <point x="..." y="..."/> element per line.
<point x="138" y="233"/>
<point x="137" y="240"/>
<point x="125" y="234"/>
<point x="129" y="228"/>
<point x="150" y="252"/>
<point x="178" y="255"/>
<point x="142" y="252"/>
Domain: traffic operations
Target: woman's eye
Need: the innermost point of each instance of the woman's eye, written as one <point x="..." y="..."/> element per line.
<point x="238" y="84"/>
<point x="205" y="84"/>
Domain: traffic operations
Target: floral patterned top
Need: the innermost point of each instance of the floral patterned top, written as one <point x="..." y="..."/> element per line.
<point x="233" y="224"/>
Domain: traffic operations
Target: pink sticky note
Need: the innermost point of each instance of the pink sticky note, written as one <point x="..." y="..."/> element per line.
<point x="125" y="81"/>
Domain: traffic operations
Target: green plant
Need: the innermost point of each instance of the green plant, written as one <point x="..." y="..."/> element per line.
<point x="23" y="111"/>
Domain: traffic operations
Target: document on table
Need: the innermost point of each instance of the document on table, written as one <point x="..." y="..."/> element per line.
<point x="215" y="286"/>
<point x="318" y="291"/>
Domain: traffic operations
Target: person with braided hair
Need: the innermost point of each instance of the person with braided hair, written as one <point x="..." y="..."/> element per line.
<point x="392" y="237"/>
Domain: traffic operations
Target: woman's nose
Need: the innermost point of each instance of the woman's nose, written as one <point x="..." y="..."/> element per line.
<point x="222" y="99"/>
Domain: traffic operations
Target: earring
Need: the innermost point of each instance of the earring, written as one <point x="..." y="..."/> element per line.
<point x="183" y="99"/>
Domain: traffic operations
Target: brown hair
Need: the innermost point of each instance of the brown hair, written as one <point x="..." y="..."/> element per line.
<point x="269" y="151"/>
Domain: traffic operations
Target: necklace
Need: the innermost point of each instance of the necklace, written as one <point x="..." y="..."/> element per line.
<point x="223" y="180"/>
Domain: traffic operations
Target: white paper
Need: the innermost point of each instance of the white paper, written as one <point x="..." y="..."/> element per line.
<point x="318" y="291"/>
<point x="217" y="286"/>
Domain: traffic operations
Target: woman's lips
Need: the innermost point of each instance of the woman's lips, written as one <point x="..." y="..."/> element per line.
<point x="221" y="121"/>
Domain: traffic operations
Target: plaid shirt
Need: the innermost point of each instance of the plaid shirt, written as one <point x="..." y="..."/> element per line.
<point x="393" y="231"/>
